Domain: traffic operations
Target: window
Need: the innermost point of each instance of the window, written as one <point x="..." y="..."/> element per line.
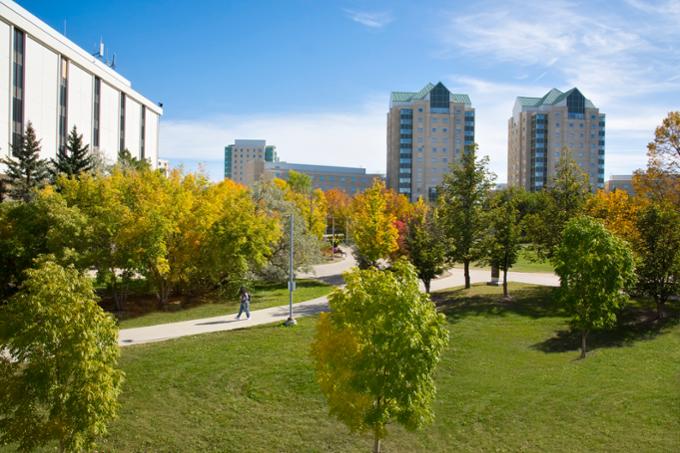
<point x="143" y="134"/>
<point x="18" y="86"/>
<point x="63" y="100"/>
<point x="97" y="109"/>
<point x="122" y="121"/>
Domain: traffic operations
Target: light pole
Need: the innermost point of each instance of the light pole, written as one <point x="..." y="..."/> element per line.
<point x="291" y="277"/>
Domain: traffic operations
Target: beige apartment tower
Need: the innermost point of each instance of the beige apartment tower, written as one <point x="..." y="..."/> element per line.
<point x="542" y="129"/>
<point x="426" y="132"/>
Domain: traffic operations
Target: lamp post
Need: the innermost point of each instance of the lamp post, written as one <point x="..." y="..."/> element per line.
<point x="291" y="277"/>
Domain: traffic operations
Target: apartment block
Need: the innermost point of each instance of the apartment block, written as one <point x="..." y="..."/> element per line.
<point x="426" y="132"/>
<point x="238" y="155"/>
<point x="542" y="129"/>
<point x="50" y="81"/>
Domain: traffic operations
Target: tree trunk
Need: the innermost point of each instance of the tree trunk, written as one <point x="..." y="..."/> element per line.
<point x="584" y="335"/>
<point x="426" y="282"/>
<point x="466" y="265"/>
<point x="163" y="293"/>
<point x="376" y="442"/>
<point x="505" y="283"/>
<point x="659" y="308"/>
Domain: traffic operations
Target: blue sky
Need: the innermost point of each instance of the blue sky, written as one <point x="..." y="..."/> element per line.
<point x="313" y="77"/>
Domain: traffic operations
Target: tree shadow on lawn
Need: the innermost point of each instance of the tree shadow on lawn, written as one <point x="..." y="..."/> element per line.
<point x="636" y="322"/>
<point x="535" y="302"/>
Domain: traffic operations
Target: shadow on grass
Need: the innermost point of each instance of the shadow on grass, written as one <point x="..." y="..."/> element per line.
<point x="636" y="322"/>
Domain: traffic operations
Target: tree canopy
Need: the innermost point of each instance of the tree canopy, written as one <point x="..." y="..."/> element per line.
<point x="26" y="171"/>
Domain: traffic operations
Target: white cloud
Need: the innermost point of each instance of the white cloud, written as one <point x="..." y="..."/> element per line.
<point x="370" y="19"/>
<point x="326" y="138"/>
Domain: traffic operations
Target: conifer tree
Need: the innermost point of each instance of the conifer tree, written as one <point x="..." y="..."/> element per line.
<point x="25" y="170"/>
<point x="74" y="158"/>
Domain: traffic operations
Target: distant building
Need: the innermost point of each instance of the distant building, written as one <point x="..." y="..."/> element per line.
<point x="50" y="81"/>
<point x="351" y="180"/>
<point x="620" y="182"/>
<point x="426" y="131"/>
<point x="164" y="166"/>
<point x="238" y="155"/>
<point x="542" y="128"/>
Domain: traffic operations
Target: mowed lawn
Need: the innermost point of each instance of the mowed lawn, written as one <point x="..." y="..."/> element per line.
<point x="264" y="295"/>
<point x="509" y="381"/>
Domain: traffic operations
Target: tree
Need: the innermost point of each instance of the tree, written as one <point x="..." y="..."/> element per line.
<point x="659" y="251"/>
<point x="127" y="162"/>
<point x="594" y="267"/>
<point x="26" y="171"/>
<point x="62" y="381"/>
<point x="339" y="209"/>
<point x="463" y="195"/>
<point x="618" y="211"/>
<point x="562" y="201"/>
<point x="424" y="243"/>
<point x="502" y="243"/>
<point x="376" y="351"/>
<point x="74" y="158"/>
<point x="310" y="203"/>
<point x="373" y="230"/>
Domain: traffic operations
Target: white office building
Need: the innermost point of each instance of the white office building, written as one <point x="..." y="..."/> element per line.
<point x="50" y="81"/>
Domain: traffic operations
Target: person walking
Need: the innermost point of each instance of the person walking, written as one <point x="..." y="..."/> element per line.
<point x="244" y="295"/>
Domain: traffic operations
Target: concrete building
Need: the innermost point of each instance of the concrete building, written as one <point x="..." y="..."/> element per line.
<point x="541" y="129"/>
<point x="351" y="180"/>
<point x="238" y="155"/>
<point x="50" y="81"/>
<point x="426" y="132"/>
<point x="620" y="182"/>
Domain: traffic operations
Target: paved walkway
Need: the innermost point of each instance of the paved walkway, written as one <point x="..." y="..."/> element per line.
<point x="329" y="272"/>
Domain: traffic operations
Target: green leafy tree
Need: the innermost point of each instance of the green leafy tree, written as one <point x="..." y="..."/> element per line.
<point x="377" y="349"/>
<point x="26" y="171"/>
<point x="373" y="226"/>
<point x="424" y="243"/>
<point x="659" y="252"/>
<point x="74" y="158"/>
<point x="563" y="200"/>
<point x="463" y="196"/>
<point x="503" y="236"/>
<point x="62" y="382"/>
<point x="126" y="161"/>
<point x="594" y="266"/>
<point x="300" y="182"/>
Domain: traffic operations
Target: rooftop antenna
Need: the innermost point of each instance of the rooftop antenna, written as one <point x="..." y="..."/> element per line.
<point x="100" y="51"/>
<point x="112" y="64"/>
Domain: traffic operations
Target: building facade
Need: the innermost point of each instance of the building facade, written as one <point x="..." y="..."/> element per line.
<point x="542" y="129"/>
<point x="52" y="83"/>
<point x="426" y="132"/>
<point x="620" y="182"/>
<point x="350" y="180"/>
<point x="239" y="155"/>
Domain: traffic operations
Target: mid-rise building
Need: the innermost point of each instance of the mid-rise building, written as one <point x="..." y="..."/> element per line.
<point x="620" y="182"/>
<point x="426" y="132"/>
<point x="542" y="129"/>
<point x="351" y="180"/>
<point x="238" y="155"/>
<point x="49" y="81"/>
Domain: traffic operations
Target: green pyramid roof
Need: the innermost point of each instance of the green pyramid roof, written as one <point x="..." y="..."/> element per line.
<point x="405" y="96"/>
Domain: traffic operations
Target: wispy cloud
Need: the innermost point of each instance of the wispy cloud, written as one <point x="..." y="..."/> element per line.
<point x="329" y="138"/>
<point x="375" y="19"/>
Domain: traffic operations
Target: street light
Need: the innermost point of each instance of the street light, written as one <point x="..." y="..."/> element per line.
<point x="291" y="278"/>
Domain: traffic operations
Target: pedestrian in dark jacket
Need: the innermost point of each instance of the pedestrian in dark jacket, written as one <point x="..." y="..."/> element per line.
<point x="244" y="295"/>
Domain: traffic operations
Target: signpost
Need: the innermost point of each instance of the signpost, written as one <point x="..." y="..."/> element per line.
<point x="291" y="278"/>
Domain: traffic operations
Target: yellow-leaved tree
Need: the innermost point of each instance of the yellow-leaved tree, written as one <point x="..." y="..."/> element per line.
<point x="619" y="212"/>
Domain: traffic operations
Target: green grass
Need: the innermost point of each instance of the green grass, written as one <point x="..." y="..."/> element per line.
<point x="509" y="381"/>
<point x="526" y="262"/>
<point x="265" y="295"/>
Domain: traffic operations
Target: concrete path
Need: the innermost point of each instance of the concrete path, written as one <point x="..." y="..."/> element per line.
<point x="329" y="272"/>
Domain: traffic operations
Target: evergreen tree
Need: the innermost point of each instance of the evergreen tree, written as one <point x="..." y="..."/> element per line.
<point x="25" y="170"/>
<point x="126" y="161"/>
<point x="74" y="158"/>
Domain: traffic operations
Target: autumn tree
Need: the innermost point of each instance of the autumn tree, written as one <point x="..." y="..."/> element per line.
<point x="424" y="240"/>
<point x="659" y="251"/>
<point x="373" y="230"/>
<point x="311" y="203"/>
<point x="503" y="235"/>
<point x="618" y="211"/>
<point x="594" y="266"/>
<point x="563" y="200"/>
<point x="376" y="351"/>
<point x="59" y="379"/>
<point x="74" y="158"/>
<point x="463" y="195"/>
<point x="339" y="209"/>
<point x="26" y="171"/>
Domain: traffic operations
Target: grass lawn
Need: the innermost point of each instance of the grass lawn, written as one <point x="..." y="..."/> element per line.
<point x="509" y="381"/>
<point x="265" y="295"/>
<point x="526" y="262"/>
